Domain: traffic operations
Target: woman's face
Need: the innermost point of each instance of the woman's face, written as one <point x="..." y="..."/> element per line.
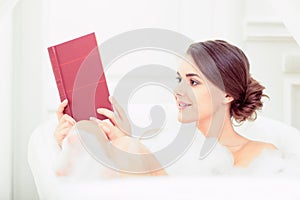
<point x="194" y="94"/>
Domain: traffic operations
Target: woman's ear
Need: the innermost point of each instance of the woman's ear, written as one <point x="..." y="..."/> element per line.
<point x="228" y="99"/>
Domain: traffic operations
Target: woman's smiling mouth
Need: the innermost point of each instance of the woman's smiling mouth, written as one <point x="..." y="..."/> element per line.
<point x="182" y="105"/>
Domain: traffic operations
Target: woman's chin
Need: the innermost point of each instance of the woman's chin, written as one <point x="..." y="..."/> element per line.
<point x="184" y="119"/>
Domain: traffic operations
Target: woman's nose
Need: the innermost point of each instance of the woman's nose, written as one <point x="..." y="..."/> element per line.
<point x="179" y="89"/>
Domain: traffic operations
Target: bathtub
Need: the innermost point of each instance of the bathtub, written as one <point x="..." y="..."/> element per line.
<point x="43" y="152"/>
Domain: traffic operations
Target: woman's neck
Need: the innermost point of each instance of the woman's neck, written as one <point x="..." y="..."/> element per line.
<point x="223" y="130"/>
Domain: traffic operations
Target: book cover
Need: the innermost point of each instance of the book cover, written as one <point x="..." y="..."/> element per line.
<point x="80" y="77"/>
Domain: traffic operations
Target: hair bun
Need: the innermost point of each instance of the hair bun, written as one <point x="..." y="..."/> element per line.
<point x="245" y="107"/>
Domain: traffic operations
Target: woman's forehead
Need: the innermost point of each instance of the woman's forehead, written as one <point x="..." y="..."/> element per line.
<point x="189" y="66"/>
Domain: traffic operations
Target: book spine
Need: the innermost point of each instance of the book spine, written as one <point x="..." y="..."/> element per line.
<point x="58" y="78"/>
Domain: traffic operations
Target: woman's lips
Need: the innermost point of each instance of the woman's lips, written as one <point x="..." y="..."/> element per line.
<point x="182" y="105"/>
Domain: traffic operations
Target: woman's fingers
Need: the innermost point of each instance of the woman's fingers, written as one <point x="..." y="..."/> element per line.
<point x="107" y="132"/>
<point x="64" y="125"/>
<point x="110" y="131"/>
<point x="61" y="132"/>
<point x="123" y="125"/>
<point x="60" y="109"/>
<point x="118" y="108"/>
<point x="109" y="114"/>
<point x="97" y="121"/>
<point x="66" y="122"/>
<point x="67" y="118"/>
<point x="122" y="119"/>
<point x="104" y="127"/>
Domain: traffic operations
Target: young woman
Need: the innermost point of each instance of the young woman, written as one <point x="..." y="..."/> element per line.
<point x="214" y="89"/>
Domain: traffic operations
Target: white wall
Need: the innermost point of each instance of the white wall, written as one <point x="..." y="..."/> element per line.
<point x="106" y="19"/>
<point x="269" y="44"/>
<point x="36" y="24"/>
<point x="197" y="19"/>
<point x="27" y="98"/>
<point x="5" y="102"/>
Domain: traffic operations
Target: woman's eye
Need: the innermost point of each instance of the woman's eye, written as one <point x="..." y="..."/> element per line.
<point x="193" y="82"/>
<point x="178" y="79"/>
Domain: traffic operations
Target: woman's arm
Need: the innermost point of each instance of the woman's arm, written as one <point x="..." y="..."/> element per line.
<point x="119" y="135"/>
<point x="65" y="140"/>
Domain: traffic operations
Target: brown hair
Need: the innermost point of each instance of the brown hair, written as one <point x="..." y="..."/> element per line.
<point x="229" y="70"/>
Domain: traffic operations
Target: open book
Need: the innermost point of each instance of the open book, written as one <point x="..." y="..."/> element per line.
<point x="80" y="77"/>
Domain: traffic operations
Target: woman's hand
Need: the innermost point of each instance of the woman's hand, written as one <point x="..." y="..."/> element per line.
<point x="65" y="123"/>
<point x="119" y="134"/>
<point x="120" y="124"/>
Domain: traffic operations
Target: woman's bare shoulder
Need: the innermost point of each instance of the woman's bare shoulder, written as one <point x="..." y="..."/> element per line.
<point x="261" y="145"/>
<point x="251" y="151"/>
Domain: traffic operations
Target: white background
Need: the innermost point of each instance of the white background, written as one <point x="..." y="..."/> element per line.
<point x="28" y="27"/>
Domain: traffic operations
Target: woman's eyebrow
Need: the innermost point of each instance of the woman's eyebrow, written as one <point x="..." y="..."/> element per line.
<point x="191" y="74"/>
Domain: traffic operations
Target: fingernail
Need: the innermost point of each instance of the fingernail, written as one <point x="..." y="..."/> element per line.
<point x="99" y="110"/>
<point x="93" y="118"/>
<point x="65" y="101"/>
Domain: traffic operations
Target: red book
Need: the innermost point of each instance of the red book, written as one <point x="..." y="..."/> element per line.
<point x="80" y="77"/>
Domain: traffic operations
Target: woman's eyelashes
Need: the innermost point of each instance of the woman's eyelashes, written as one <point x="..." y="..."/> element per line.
<point x="192" y="81"/>
<point x="178" y="79"/>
